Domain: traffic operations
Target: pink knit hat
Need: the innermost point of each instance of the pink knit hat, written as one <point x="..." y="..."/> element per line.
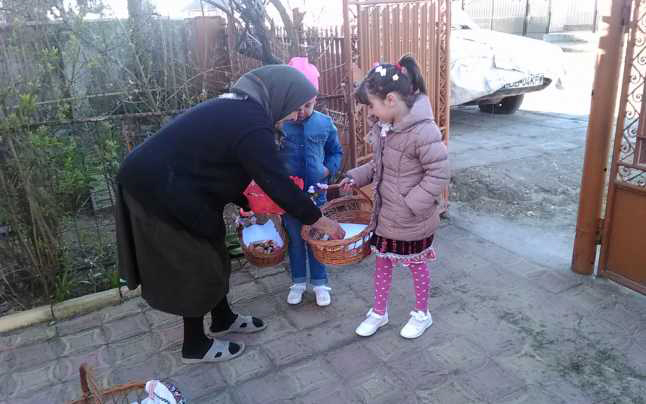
<point x="309" y="70"/>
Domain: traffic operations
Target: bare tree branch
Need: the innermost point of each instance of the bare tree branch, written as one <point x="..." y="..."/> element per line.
<point x="220" y="6"/>
<point x="255" y="39"/>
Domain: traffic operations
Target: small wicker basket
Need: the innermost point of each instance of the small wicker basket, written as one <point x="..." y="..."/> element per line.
<point x="93" y="394"/>
<point x="264" y="260"/>
<point x="347" y="209"/>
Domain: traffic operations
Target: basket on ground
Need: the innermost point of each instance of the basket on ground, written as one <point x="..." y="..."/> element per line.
<point x="93" y="394"/>
<point x="263" y="259"/>
<point x="347" y="209"/>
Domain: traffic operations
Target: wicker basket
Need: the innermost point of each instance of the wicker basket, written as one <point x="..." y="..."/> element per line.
<point x="93" y="394"/>
<point x="263" y="260"/>
<point x="348" y="209"/>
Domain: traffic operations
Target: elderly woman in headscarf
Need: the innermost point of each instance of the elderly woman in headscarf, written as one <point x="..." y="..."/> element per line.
<point x="172" y="192"/>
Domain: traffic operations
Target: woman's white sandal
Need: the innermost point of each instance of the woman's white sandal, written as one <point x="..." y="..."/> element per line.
<point x="241" y="325"/>
<point x="219" y="352"/>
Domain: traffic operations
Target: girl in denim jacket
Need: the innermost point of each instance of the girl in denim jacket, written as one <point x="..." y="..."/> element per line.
<point x="311" y="151"/>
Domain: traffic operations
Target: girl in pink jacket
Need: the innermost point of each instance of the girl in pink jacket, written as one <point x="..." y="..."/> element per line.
<point x="409" y="172"/>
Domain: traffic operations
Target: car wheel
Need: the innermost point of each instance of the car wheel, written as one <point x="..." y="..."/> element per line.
<point x="507" y="106"/>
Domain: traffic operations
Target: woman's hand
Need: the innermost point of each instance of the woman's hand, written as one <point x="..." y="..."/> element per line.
<point x="346" y="185"/>
<point x="329" y="227"/>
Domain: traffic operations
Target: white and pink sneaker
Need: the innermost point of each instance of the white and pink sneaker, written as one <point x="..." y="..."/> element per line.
<point x="418" y="323"/>
<point x="371" y="324"/>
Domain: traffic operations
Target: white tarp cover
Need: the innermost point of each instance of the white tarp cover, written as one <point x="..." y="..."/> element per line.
<point x="352" y="229"/>
<point x="261" y="232"/>
<point x="483" y="61"/>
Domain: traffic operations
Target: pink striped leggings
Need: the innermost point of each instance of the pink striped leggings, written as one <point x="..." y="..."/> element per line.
<point x="383" y="282"/>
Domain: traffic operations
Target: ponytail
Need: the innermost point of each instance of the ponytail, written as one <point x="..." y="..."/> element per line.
<point x="404" y="78"/>
<point x="409" y="63"/>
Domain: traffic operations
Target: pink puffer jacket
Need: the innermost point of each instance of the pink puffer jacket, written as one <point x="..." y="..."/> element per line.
<point x="409" y="171"/>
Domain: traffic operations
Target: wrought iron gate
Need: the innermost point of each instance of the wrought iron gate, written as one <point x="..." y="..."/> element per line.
<point x="623" y="253"/>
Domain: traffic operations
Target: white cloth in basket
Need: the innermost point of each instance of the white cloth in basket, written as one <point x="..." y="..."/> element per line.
<point x="351" y="230"/>
<point x="161" y="393"/>
<point x="261" y="232"/>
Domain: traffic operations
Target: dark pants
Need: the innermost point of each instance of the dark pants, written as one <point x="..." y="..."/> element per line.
<point x="179" y="272"/>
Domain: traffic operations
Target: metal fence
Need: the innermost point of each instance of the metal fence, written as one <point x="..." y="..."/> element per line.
<point x="76" y="206"/>
<point x="100" y="134"/>
<point x="532" y="17"/>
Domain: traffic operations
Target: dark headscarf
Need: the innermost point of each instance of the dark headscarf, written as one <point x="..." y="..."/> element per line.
<point x="280" y="89"/>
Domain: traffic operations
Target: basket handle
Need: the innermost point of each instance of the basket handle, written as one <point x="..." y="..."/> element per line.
<point x="354" y="187"/>
<point x="360" y="191"/>
<point x="89" y="386"/>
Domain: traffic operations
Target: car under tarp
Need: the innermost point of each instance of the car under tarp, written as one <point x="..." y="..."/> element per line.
<point x="486" y="63"/>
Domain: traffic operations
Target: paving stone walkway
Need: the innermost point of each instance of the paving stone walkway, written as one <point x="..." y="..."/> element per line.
<point x="506" y="330"/>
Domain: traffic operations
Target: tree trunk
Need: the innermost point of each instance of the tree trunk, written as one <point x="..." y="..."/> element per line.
<point x="294" y="48"/>
<point x="253" y="16"/>
<point x="135" y="10"/>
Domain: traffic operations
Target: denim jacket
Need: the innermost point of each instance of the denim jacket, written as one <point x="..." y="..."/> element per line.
<point x="309" y="147"/>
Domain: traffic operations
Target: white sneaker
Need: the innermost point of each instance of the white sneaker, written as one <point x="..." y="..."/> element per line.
<point x="322" y="295"/>
<point x="296" y="293"/>
<point x="418" y="323"/>
<point x="371" y="324"/>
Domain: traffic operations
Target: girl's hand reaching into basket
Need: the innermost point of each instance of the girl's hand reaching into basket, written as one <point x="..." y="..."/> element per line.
<point x="346" y="185"/>
<point x="330" y="227"/>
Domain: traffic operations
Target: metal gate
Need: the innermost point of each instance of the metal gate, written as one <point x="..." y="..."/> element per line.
<point x="580" y="14"/>
<point x="521" y="17"/>
<point x="623" y="251"/>
<point x="532" y="17"/>
<point x="538" y="17"/>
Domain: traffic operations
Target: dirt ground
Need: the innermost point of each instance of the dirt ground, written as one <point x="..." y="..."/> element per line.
<point x="516" y="178"/>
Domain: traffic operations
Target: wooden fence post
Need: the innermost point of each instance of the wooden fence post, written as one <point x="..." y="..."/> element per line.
<point x="349" y="82"/>
<point x="602" y="114"/>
